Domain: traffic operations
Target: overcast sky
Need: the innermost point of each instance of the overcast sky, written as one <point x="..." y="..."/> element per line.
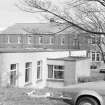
<point x="10" y="14"/>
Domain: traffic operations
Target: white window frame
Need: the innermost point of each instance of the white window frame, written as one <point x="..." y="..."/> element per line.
<point x="29" y="39"/>
<point x="95" y="39"/>
<point x="41" y="39"/>
<point x="62" y="40"/>
<point x="96" y="54"/>
<point x="8" y="39"/>
<point x="29" y="70"/>
<point x="51" y="40"/>
<point x="14" y="70"/>
<point x="62" y="70"/>
<point x="39" y="69"/>
<point x="19" y="39"/>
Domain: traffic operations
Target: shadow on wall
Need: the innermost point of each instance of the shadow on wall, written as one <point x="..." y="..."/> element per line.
<point x="89" y="79"/>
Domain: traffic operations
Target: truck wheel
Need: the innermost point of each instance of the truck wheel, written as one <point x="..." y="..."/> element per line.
<point x="87" y="101"/>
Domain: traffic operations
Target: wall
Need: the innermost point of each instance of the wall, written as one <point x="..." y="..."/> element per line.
<point x="21" y="59"/>
<point x="69" y="41"/>
<point x="69" y="75"/>
<point x="83" y="68"/>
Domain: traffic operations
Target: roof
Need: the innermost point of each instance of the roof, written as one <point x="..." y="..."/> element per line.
<point x="28" y="50"/>
<point x="42" y="28"/>
<point x="69" y="58"/>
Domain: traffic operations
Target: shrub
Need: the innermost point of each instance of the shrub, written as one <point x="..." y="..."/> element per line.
<point x="86" y="79"/>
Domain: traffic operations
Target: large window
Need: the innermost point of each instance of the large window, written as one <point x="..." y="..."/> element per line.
<point x="55" y="72"/>
<point x="39" y="70"/>
<point x="28" y="69"/>
<point x="96" y="56"/>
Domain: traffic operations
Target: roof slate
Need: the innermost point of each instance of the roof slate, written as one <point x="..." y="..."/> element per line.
<point x="37" y="28"/>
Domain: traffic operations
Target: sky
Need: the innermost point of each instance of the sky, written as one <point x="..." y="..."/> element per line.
<point x="10" y="14"/>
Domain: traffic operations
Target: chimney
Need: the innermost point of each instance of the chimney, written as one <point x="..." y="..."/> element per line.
<point x="52" y="20"/>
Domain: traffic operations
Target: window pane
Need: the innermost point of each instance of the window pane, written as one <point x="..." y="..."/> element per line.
<point x="98" y="57"/>
<point x="28" y="64"/>
<point x="13" y="66"/>
<point x="50" y="71"/>
<point x="58" y="67"/>
<point x="39" y="69"/>
<point x="38" y="63"/>
<point x="59" y="74"/>
<point x="51" y="40"/>
<point x="93" y="40"/>
<point x="29" y="39"/>
<point x="93" y="56"/>
<point x="28" y="71"/>
<point x="38" y="74"/>
<point x="41" y="39"/>
<point x="27" y="75"/>
<point x="93" y="67"/>
<point x="62" y="41"/>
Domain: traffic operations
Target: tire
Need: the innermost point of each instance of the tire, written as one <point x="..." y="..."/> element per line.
<point x="87" y="101"/>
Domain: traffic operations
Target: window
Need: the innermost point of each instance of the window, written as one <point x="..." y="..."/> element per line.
<point x="29" y="39"/>
<point x="55" y="72"/>
<point x="41" y="40"/>
<point x="93" y="56"/>
<point x="62" y="40"/>
<point x="76" y="44"/>
<point x="28" y="69"/>
<point x="96" y="56"/>
<point x="13" y="75"/>
<point x="95" y="39"/>
<point x="51" y="40"/>
<point x="19" y="39"/>
<point x="93" y="67"/>
<point x="8" y="39"/>
<point x="39" y="70"/>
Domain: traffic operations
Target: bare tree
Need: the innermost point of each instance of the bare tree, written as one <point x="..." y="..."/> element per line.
<point x="47" y="7"/>
<point x="88" y="15"/>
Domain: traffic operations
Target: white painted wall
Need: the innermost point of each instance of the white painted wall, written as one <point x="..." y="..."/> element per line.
<point x="83" y="68"/>
<point x="6" y="59"/>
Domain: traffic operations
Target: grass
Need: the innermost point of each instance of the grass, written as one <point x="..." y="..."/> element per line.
<point x="17" y="96"/>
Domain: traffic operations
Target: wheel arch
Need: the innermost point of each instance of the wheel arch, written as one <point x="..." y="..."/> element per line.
<point x="87" y="96"/>
<point x="92" y="94"/>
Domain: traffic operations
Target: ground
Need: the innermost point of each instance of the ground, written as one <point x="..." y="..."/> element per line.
<point x="17" y="96"/>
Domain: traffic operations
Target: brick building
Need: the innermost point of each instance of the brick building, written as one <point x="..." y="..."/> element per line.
<point x="26" y="47"/>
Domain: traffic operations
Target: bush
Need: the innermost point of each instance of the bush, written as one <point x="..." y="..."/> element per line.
<point x="86" y="79"/>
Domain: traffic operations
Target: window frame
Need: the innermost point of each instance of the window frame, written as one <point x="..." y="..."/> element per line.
<point x="39" y="69"/>
<point x="28" y="70"/>
<point x="14" y="70"/>
<point x="95" y="56"/>
<point x="51" y="40"/>
<point x="41" y="40"/>
<point x="62" y="40"/>
<point x="8" y="39"/>
<point x="19" y="39"/>
<point x="55" y="70"/>
<point x="29" y="39"/>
